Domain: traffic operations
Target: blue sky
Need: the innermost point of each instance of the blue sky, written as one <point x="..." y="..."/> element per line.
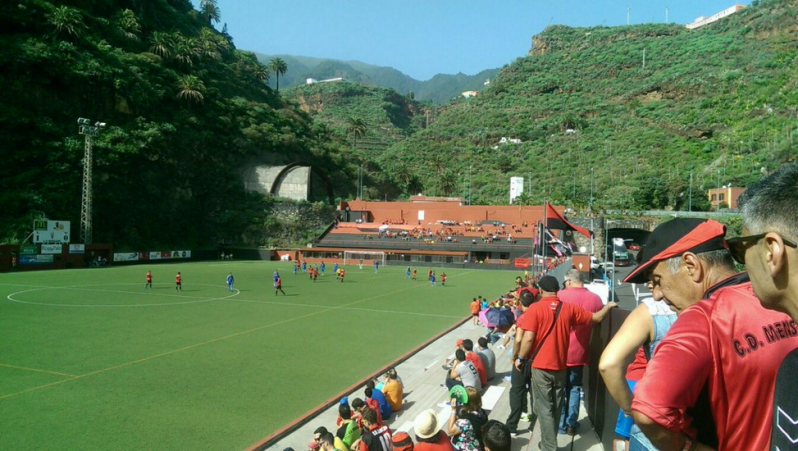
<point x="425" y="37"/>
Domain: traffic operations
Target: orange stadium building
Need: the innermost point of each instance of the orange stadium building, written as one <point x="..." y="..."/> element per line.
<point x="443" y="231"/>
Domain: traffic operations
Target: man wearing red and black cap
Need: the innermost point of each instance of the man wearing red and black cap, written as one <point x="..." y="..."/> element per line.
<point x="717" y="342"/>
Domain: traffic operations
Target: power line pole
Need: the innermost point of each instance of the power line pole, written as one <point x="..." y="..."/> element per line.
<point x="86" y="129"/>
<point x="628" y="12"/>
<point x="690" y="199"/>
<point x="666" y="14"/>
<point x="469" y="185"/>
<point x="717" y="195"/>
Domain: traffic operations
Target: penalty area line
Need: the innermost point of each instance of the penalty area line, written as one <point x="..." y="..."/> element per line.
<point x="35" y="370"/>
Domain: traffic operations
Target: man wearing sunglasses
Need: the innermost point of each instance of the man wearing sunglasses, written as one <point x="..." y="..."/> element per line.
<point x="718" y="342"/>
<point x="768" y="250"/>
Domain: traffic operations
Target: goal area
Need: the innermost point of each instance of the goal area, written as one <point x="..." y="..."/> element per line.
<point x="368" y="258"/>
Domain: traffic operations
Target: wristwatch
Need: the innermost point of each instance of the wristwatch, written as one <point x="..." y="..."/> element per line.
<point x="689" y="444"/>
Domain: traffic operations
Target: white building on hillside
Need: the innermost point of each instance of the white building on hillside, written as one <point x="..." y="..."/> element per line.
<point x="701" y="21"/>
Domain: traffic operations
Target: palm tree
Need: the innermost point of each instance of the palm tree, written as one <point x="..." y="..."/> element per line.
<point x="279" y="67"/>
<point x="210" y="11"/>
<point x="209" y="44"/>
<point x="523" y="199"/>
<point x="161" y="44"/>
<point x="448" y="182"/>
<point x="127" y="25"/>
<point x="261" y="73"/>
<point x="356" y="128"/>
<point x="66" y="20"/>
<point x="186" y="49"/>
<point x="191" y="88"/>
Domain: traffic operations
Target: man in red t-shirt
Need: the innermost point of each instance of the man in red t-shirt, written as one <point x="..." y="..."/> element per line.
<point x="546" y="327"/>
<point x="519" y="377"/>
<point x="575" y="293"/>
<point x="179" y="282"/>
<point x="726" y="344"/>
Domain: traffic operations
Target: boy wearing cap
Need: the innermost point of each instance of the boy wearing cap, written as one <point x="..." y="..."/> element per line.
<point x="720" y="343"/>
<point x="546" y="331"/>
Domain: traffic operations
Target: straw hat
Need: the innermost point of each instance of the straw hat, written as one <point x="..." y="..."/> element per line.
<point x="426" y="424"/>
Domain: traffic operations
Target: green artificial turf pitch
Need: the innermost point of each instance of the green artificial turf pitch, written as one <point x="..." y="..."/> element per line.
<point x="89" y="359"/>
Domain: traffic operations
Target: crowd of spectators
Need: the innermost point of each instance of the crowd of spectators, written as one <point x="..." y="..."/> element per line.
<point x="361" y="423"/>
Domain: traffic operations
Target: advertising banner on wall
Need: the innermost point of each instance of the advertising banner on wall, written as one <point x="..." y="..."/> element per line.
<point x="164" y="255"/>
<point x="126" y="257"/>
<point x="29" y="250"/>
<point x="36" y="259"/>
<point x="51" y="248"/>
<point x="77" y="248"/>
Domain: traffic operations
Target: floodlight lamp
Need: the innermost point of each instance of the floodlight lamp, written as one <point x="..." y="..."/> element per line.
<point x="83" y="121"/>
<point x="100" y="124"/>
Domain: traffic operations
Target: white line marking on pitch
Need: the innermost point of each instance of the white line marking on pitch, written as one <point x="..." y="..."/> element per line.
<point x="10" y="297"/>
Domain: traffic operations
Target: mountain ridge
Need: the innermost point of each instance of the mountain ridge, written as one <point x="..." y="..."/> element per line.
<point x="439" y="89"/>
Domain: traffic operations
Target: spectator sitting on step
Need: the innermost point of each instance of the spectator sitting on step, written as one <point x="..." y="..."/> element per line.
<point x="374" y="436"/>
<point x="472" y="356"/>
<point x="487" y="356"/>
<point x="393" y="390"/>
<point x="348" y="431"/>
<point x="429" y="436"/>
<point x="463" y="373"/>
<point x="359" y="405"/>
<point x="496" y="436"/>
<point x="475" y="413"/>
<point x="335" y="442"/>
<point x="384" y="406"/>
<point x="401" y="441"/>
<point x="461" y="430"/>
<point x="327" y="442"/>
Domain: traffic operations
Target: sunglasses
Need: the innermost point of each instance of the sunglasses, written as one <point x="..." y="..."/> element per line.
<point x="740" y="244"/>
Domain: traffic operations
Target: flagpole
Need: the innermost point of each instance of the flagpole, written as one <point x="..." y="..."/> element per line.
<point x="543" y="241"/>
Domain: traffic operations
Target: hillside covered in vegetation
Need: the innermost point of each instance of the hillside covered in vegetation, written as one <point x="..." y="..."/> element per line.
<point x="630" y="113"/>
<point x="186" y="113"/>
<point x="638" y="116"/>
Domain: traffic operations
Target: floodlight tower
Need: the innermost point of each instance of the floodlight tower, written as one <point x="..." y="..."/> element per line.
<point x="86" y="129"/>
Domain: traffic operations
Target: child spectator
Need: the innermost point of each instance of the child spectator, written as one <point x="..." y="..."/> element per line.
<point x="461" y="430"/>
